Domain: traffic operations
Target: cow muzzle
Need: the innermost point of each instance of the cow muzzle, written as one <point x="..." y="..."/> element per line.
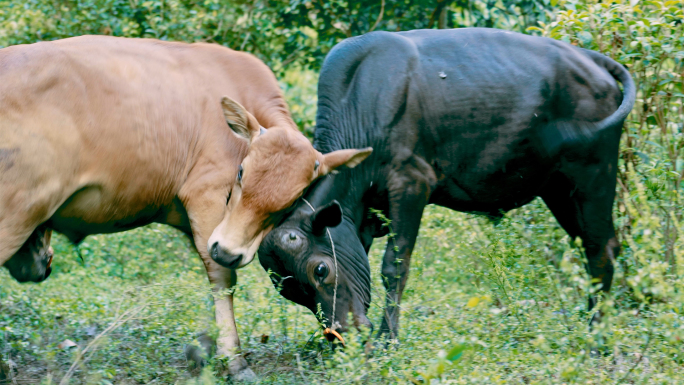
<point x="360" y="321"/>
<point x="225" y="259"/>
<point x="30" y="270"/>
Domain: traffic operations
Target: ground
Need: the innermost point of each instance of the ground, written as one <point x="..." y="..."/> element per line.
<point x="485" y="304"/>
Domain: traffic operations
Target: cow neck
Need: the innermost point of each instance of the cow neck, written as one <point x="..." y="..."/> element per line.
<point x="348" y="187"/>
<point x="343" y="126"/>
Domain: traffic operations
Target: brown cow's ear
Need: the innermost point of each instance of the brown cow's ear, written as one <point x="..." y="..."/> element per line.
<point x="238" y="119"/>
<point x="343" y="158"/>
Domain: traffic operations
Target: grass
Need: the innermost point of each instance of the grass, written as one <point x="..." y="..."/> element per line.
<point x="511" y="296"/>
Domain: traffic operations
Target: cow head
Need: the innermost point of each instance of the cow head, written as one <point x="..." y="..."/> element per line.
<point x="300" y="256"/>
<point x="279" y="165"/>
<point x="32" y="263"/>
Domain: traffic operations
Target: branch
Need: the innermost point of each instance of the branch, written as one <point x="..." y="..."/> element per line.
<point x="379" y="19"/>
<point x="122" y="319"/>
<point x="441" y="4"/>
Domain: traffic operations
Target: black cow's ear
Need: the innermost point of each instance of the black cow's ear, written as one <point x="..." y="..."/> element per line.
<point x="329" y="215"/>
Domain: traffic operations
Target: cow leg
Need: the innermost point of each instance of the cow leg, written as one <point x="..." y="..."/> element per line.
<point x="582" y="203"/>
<point x="205" y="212"/>
<point x="410" y="185"/>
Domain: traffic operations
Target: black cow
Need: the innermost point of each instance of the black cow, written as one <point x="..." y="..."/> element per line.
<point x="476" y="120"/>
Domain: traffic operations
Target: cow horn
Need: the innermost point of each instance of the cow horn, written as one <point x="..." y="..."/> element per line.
<point x="49" y="264"/>
<point x="336" y="334"/>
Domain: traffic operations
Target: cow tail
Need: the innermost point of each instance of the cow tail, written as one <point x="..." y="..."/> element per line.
<point x="568" y="133"/>
<point x="620" y="73"/>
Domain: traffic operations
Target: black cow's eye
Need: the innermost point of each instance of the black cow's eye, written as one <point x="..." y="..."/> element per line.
<point x="321" y="270"/>
<point x="239" y="175"/>
<point x="293" y="236"/>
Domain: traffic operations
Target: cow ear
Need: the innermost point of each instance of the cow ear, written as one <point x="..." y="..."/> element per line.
<point x="239" y="120"/>
<point x="329" y="215"/>
<point x="343" y="158"/>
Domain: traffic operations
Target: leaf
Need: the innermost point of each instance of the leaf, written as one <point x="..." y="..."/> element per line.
<point x="534" y="29"/>
<point x="643" y="156"/>
<point x="473" y="302"/>
<point x="585" y="37"/>
<point x="456" y="352"/>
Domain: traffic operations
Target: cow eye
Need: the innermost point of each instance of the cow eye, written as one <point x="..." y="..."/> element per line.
<point x="239" y="175"/>
<point x="293" y="237"/>
<point x="321" y="270"/>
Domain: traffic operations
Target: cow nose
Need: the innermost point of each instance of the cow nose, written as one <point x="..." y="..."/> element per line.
<point x="214" y="251"/>
<point x="224" y="259"/>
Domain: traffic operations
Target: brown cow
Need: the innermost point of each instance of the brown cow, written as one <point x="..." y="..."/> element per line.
<point x="102" y="134"/>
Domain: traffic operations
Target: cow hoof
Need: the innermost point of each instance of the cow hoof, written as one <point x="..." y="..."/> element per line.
<point x="245" y="375"/>
<point x="197" y="354"/>
<point x="596" y="319"/>
<point x="240" y="372"/>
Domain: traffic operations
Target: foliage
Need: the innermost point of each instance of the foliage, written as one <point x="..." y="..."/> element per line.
<point x="280" y="32"/>
<point x="329" y="22"/>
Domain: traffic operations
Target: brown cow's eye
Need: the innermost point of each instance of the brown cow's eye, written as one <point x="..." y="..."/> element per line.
<point x="239" y="175"/>
<point x="321" y="270"/>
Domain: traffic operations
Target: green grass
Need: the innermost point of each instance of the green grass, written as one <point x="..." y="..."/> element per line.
<point x="513" y="295"/>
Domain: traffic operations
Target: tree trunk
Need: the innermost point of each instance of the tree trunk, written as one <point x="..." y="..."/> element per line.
<point x="442" y="24"/>
<point x="5" y="374"/>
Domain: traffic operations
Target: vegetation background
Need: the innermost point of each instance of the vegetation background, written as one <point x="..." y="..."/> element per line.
<point x="485" y="304"/>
